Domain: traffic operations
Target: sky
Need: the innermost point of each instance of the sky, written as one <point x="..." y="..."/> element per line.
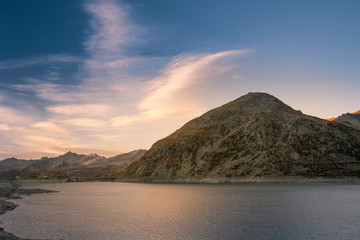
<point x="111" y="76"/>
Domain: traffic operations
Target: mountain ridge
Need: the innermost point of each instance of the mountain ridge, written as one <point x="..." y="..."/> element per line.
<point x="348" y="116"/>
<point x="67" y="165"/>
<point x="349" y="119"/>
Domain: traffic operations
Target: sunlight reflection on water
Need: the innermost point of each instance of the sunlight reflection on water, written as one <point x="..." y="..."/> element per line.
<point x="177" y="211"/>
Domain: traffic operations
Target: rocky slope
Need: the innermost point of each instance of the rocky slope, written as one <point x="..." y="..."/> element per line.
<point x="69" y="165"/>
<point x="256" y="135"/>
<point x="349" y="119"/>
<point x="11" y="167"/>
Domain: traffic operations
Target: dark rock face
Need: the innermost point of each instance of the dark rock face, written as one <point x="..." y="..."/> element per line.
<point x="256" y="135"/>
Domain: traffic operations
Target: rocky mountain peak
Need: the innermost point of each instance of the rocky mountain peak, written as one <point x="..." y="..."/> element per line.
<point x="253" y="103"/>
<point x="69" y="153"/>
<point x="254" y="100"/>
<point x="257" y="97"/>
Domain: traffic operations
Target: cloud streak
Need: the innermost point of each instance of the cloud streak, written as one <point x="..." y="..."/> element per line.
<point x="180" y="81"/>
<point x="36" y="61"/>
<point x="181" y="90"/>
<point x="81" y="110"/>
<point x="111" y="28"/>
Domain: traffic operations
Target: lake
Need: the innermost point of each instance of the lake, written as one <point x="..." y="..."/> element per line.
<point x="100" y="210"/>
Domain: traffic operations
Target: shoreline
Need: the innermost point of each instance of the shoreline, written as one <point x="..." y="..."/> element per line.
<point x="247" y="180"/>
<point x="214" y="180"/>
<point x="11" y="190"/>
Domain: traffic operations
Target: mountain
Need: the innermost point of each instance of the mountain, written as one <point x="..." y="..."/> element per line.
<point x="68" y="165"/>
<point x="14" y="163"/>
<point x="12" y="167"/>
<point x="349" y="119"/>
<point x="255" y="135"/>
<point x="125" y="159"/>
<point x="355" y="114"/>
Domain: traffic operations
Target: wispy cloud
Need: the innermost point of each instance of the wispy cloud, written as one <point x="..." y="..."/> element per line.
<point x="81" y="110"/>
<point x="38" y="60"/>
<point x="11" y="116"/>
<point x="109" y="65"/>
<point x="175" y="90"/>
<point x="116" y="106"/>
<point x="47" y="126"/>
<point x="4" y="127"/>
<point x="111" y="29"/>
<point x="85" y="123"/>
<point x="181" y="90"/>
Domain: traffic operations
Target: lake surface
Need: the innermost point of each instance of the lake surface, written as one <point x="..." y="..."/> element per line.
<point x="194" y="211"/>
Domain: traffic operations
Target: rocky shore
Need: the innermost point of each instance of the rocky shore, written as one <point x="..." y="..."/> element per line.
<point x="11" y="190"/>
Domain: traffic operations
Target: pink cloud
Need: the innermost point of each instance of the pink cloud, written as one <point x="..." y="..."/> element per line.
<point x="81" y="109"/>
<point x="111" y="27"/>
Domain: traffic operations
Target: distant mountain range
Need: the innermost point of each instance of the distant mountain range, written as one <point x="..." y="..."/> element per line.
<point x="70" y="166"/>
<point x="255" y="135"/>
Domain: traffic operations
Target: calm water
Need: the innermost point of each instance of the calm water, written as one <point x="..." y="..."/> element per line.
<point x="165" y="211"/>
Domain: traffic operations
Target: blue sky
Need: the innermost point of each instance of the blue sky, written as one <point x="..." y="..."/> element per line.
<point x="113" y="76"/>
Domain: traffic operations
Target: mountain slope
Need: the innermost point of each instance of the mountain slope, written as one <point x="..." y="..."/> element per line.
<point x="12" y="167"/>
<point x="349" y="119"/>
<point x="14" y="163"/>
<point x="256" y="135"/>
<point x="68" y="165"/>
<point x="124" y="160"/>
